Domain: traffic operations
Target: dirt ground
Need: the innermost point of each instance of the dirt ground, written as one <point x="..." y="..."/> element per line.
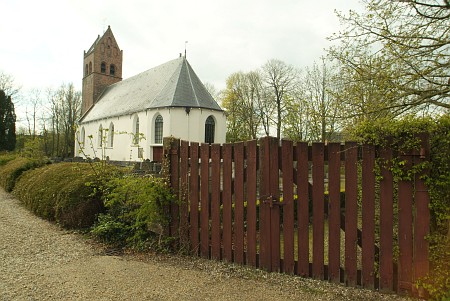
<point x="40" y="261"/>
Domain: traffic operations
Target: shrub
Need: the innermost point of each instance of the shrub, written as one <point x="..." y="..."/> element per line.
<point x="404" y="132"/>
<point x="11" y="171"/>
<point x="58" y="192"/>
<point x="5" y="157"/>
<point x="134" y="212"/>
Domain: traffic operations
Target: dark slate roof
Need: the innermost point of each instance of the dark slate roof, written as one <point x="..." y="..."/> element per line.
<point x="173" y="84"/>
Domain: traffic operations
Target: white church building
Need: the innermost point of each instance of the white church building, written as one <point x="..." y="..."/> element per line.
<point x="126" y="120"/>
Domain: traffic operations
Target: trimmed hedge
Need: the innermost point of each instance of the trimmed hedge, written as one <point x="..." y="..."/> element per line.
<point x="12" y="169"/>
<point x="66" y="193"/>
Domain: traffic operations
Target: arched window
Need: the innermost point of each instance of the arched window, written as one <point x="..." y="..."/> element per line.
<point x="159" y="129"/>
<point x="112" y="70"/>
<point x="111" y="135"/>
<point x="103" y="67"/>
<point x="100" y="136"/>
<point x="209" y="130"/>
<point x="90" y="67"/>
<point x="83" y="134"/>
<point x="136" y="130"/>
<point x="86" y="70"/>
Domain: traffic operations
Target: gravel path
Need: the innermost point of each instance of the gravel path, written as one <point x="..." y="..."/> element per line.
<point x="40" y="261"/>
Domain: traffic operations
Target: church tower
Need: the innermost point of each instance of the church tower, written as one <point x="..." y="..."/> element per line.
<point x="102" y="66"/>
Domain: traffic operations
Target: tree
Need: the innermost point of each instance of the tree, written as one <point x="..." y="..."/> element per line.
<point x="322" y="105"/>
<point x="7" y="123"/>
<point x="64" y="110"/>
<point x="407" y="44"/>
<point x="241" y="100"/>
<point x="280" y="81"/>
<point x="7" y="84"/>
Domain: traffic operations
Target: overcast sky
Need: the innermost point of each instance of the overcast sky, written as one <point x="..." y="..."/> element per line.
<point x="42" y="42"/>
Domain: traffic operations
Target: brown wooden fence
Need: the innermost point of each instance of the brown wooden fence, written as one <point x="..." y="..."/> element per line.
<point x="315" y="210"/>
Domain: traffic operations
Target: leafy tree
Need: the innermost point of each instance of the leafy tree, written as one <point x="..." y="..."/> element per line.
<point x="7" y="123"/>
<point x="400" y="47"/>
<point x="241" y="99"/>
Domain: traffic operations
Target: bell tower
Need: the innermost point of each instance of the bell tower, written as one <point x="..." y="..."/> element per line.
<point x="102" y="66"/>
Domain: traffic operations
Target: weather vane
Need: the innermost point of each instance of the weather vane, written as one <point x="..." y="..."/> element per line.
<point x="185" y="42"/>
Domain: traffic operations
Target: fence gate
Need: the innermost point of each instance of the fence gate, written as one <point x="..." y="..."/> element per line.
<point x="310" y="210"/>
<point x="269" y="202"/>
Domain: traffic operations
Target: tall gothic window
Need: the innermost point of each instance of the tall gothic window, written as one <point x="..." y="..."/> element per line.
<point x="112" y="70"/>
<point x="209" y="130"/>
<point x="136" y="130"/>
<point x="111" y="135"/>
<point x="82" y="138"/>
<point x="103" y="67"/>
<point x="100" y="136"/>
<point x="159" y="129"/>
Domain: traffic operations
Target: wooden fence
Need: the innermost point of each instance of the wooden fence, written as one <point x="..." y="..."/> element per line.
<point x="317" y="210"/>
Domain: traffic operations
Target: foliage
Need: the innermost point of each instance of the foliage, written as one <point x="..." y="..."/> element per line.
<point x="437" y="283"/>
<point x="134" y="211"/>
<point x="241" y="97"/>
<point x="10" y="172"/>
<point x="7" y="123"/>
<point x="58" y="192"/>
<point x="6" y="157"/>
<point x="398" y="48"/>
<point x="403" y="134"/>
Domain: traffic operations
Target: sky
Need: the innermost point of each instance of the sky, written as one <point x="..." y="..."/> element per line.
<point x="42" y="42"/>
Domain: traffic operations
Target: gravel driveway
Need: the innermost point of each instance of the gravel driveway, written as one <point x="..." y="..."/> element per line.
<point x="40" y="261"/>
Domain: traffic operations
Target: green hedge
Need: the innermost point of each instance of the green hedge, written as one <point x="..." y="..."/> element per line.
<point x="5" y="157"/>
<point x="61" y="193"/>
<point x="12" y="169"/>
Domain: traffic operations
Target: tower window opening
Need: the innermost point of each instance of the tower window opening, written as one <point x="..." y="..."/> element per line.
<point x="112" y="70"/>
<point x="103" y="67"/>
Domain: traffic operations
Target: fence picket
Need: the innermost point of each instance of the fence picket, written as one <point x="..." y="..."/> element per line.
<point x="303" y="208"/>
<point x="318" y="210"/>
<point x="227" y="202"/>
<point x="288" y="206"/>
<point x="264" y="209"/>
<point x="251" y="175"/>
<point x="351" y="213"/>
<point x="334" y="212"/>
<point x="405" y="238"/>
<point x="194" y="198"/>
<point x="239" y="203"/>
<point x="204" y="195"/>
<point x="386" y="223"/>
<point x="368" y="217"/>
<point x="184" y="201"/>
<point x="215" y="201"/>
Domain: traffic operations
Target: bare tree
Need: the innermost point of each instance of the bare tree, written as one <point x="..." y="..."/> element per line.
<point x="322" y="106"/>
<point x="8" y="85"/>
<point x="280" y="80"/>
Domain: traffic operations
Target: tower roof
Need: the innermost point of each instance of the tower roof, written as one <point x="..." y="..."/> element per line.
<point x="172" y="84"/>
